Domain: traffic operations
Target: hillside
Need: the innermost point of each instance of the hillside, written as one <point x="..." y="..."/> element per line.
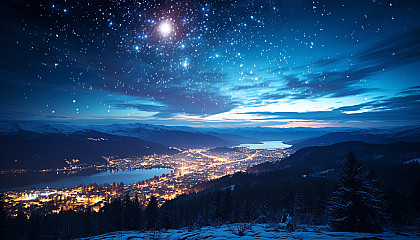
<point x="390" y="162"/>
<point x="318" y="158"/>
<point x="34" y="150"/>
<point x="380" y="136"/>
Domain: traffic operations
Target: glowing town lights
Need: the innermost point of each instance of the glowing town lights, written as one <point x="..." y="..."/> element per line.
<point x="188" y="168"/>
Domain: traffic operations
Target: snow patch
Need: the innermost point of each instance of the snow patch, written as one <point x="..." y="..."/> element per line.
<point x="257" y="231"/>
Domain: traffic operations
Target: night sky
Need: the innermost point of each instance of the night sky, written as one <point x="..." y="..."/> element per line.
<point x="280" y="63"/>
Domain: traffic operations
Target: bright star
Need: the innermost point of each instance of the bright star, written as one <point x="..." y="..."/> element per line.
<point x="165" y="28"/>
<point x="185" y="62"/>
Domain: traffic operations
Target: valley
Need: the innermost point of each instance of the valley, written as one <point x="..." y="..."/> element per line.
<point x="190" y="167"/>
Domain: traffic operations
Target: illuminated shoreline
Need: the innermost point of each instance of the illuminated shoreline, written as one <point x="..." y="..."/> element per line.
<point x="190" y="167"/>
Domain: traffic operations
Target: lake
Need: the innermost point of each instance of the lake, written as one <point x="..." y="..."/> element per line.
<point x="266" y="145"/>
<point x="125" y="176"/>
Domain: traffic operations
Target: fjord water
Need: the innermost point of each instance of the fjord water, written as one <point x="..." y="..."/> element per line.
<point x="125" y="176"/>
<point x="266" y="145"/>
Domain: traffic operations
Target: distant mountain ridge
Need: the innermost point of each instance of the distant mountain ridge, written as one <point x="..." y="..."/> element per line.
<point x="189" y="137"/>
<point x="170" y="136"/>
<point x="11" y="127"/>
<point x="273" y="134"/>
<point x="32" y="150"/>
<point x="178" y="136"/>
<point x="379" y="136"/>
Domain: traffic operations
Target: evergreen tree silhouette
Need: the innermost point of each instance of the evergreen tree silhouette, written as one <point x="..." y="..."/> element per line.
<point x="357" y="205"/>
<point x="396" y="210"/>
<point x="138" y="214"/>
<point x="151" y="213"/>
<point x="218" y="206"/>
<point x="415" y="197"/>
<point x="298" y="209"/>
<point x="166" y="216"/>
<point x="116" y="214"/>
<point x="320" y="204"/>
<point x="88" y="222"/>
<point x="226" y="206"/>
<point x="35" y="228"/>
<point x="3" y="220"/>
<point x="415" y="203"/>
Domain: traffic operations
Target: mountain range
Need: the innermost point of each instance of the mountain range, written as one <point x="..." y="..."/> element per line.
<point x="34" y="150"/>
<point x="380" y="136"/>
<point x="170" y="136"/>
<point x="23" y="142"/>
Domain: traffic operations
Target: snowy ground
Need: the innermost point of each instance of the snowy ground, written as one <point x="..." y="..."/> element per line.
<point x="259" y="231"/>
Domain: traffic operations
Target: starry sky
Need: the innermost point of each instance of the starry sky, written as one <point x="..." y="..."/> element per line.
<point x="278" y="63"/>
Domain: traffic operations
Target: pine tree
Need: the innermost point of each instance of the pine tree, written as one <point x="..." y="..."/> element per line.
<point x="138" y="214"/>
<point x="396" y="211"/>
<point x="226" y="206"/>
<point x="415" y="203"/>
<point x="35" y="227"/>
<point x="166" y="217"/>
<point x="151" y="213"/>
<point x="320" y="205"/>
<point x="218" y="207"/>
<point x="116" y="214"/>
<point x="88" y="222"/>
<point x="415" y="198"/>
<point x="357" y="205"/>
<point x="3" y="220"/>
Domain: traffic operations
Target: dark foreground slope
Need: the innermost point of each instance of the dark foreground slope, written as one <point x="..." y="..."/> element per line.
<point x="268" y="191"/>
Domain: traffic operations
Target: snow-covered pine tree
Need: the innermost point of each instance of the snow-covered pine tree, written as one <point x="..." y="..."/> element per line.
<point x="357" y="204"/>
<point x="298" y="209"/>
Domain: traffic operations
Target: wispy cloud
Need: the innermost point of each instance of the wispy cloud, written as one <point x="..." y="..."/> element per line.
<point x="349" y="72"/>
<point x="402" y="108"/>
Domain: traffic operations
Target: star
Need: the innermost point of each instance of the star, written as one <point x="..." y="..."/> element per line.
<point x="165" y="28"/>
<point x="135" y="51"/>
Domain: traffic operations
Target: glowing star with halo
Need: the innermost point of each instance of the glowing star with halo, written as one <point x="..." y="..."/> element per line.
<point x="165" y="28"/>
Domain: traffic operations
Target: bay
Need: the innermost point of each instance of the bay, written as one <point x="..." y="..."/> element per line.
<point x="117" y="176"/>
<point x="266" y="145"/>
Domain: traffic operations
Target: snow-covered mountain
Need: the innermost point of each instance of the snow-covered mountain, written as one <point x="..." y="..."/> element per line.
<point x="36" y="126"/>
<point x="183" y="136"/>
<point x="170" y="136"/>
